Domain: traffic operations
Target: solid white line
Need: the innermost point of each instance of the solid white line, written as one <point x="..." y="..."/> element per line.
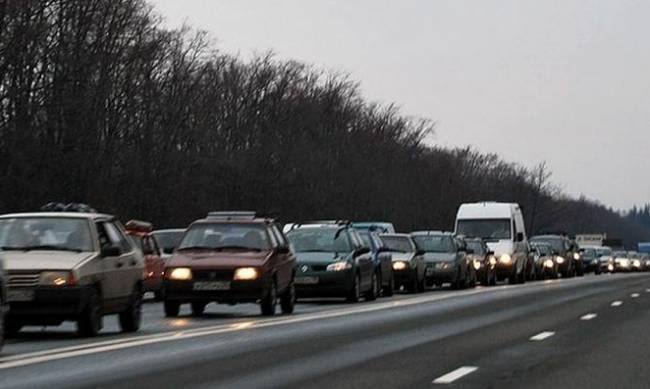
<point x="634" y="295"/>
<point x="455" y="375"/>
<point x="588" y="316"/>
<point x="617" y="303"/>
<point x="541" y="336"/>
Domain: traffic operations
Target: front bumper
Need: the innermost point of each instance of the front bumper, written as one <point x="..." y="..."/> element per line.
<point x="324" y="283"/>
<point x="237" y="292"/>
<point x="505" y="270"/>
<point x="49" y="305"/>
<point x="438" y="272"/>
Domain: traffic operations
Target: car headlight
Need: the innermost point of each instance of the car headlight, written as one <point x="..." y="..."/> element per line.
<point x="559" y="260"/>
<point x="594" y="262"/>
<point x="246" y="274"/>
<point x="339" y="266"/>
<point x="647" y="263"/>
<point x="505" y="259"/>
<point x="576" y="256"/>
<point x="180" y="274"/>
<point x="477" y="265"/>
<point x="636" y="263"/>
<point x="400" y="265"/>
<point x="624" y="263"/>
<point x="493" y="260"/>
<point x="549" y="263"/>
<point x="610" y="267"/>
<point x="56" y="278"/>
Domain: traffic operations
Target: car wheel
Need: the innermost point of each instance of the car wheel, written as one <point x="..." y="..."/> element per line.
<point x="172" y="308"/>
<point x="389" y="290"/>
<point x="493" y="282"/>
<point x="159" y="295"/>
<point x="198" y="308"/>
<point x="90" y="321"/>
<point x="131" y="317"/>
<point x="371" y="295"/>
<point x="354" y="295"/>
<point x="422" y="285"/>
<point x="473" y="282"/>
<point x="2" y="326"/>
<point x="288" y="299"/>
<point x="11" y="328"/>
<point x="270" y="301"/>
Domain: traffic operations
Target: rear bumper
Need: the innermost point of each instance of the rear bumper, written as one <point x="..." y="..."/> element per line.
<point x="50" y="305"/>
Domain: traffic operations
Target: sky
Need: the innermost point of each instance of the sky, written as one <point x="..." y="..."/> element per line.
<point x="561" y="81"/>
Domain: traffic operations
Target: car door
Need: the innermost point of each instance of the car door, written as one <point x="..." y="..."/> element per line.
<point x="385" y="258"/>
<point x="110" y="276"/>
<point x="364" y="260"/>
<point x="285" y="259"/>
<point x="129" y="268"/>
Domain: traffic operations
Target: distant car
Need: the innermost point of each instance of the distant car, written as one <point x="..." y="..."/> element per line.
<point x="562" y="249"/>
<point x="167" y="240"/>
<point x="483" y="261"/>
<point x="332" y="261"/>
<point x="408" y="262"/>
<point x="446" y="259"/>
<point x="383" y="261"/>
<point x="605" y="259"/>
<point x="645" y="259"/>
<point x="636" y="264"/>
<point x="64" y="266"/>
<point x="3" y="301"/>
<point x="545" y="261"/>
<point x="622" y="262"/>
<point x="379" y="227"/>
<point x="591" y="259"/>
<point x="154" y="265"/>
<point x="231" y="258"/>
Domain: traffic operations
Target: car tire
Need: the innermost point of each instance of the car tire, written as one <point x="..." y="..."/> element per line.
<point x="389" y="290"/>
<point x="422" y="285"/>
<point x="159" y="295"/>
<point x="270" y="301"/>
<point x="2" y="326"/>
<point x="354" y="294"/>
<point x="473" y="280"/>
<point x="197" y="308"/>
<point x="90" y="322"/>
<point x="288" y="299"/>
<point x="413" y="283"/>
<point x="172" y="308"/>
<point x="11" y="328"/>
<point x="131" y="318"/>
<point x="371" y="295"/>
<point x="493" y="282"/>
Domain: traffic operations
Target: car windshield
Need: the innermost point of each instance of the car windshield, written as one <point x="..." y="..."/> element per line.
<point x="220" y="236"/>
<point x="487" y="229"/>
<point x="434" y="244"/>
<point x="620" y="254"/>
<point x="45" y="233"/>
<point x="325" y="240"/>
<point x="604" y="252"/>
<point x="169" y="239"/>
<point x="589" y="253"/>
<point x="555" y="242"/>
<point x="400" y="244"/>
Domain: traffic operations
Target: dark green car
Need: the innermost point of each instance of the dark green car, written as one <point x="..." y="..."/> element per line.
<point x="332" y="261"/>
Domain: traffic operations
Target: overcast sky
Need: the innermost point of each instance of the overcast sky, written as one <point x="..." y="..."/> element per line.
<point x="562" y="81"/>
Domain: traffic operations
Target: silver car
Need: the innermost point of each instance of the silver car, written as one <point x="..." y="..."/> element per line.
<point x="70" y="266"/>
<point x="3" y="301"/>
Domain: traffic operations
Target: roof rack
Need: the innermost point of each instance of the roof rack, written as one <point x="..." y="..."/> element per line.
<point x="70" y="207"/>
<point x="232" y="215"/>
<point x="139" y="226"/>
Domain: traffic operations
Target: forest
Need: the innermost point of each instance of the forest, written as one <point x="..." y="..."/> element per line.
<point x="101" y="103"/>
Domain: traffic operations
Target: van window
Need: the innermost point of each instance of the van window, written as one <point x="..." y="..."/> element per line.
<point x="486" y="229"/>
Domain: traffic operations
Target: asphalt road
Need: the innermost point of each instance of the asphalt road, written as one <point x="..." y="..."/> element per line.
<point x="572" y="333"/>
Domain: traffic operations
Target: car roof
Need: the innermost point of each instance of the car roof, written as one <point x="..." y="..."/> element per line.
<point x="170" y="230"/>
<point x="547" y="236"/>
<point x="487" y="210"/>
<point x="395" y="235"/>
<point x="67" y="215"/>
<point x="432" y="232"/>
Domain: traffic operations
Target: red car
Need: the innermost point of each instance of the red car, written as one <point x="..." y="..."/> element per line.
<point x="154" y="266"/>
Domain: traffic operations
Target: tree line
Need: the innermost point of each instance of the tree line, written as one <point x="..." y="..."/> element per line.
<point x="100" y="103"/>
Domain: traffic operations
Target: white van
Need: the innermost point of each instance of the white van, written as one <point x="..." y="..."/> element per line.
<point x="501" y="226"/>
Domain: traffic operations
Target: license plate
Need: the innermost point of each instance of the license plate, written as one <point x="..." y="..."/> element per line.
<point x="212" y="285"/>
<point x="20" y="295"/>
<point x="306" y="280"/>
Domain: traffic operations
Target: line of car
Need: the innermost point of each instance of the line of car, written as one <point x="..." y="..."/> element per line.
<point x="71" y="263"/>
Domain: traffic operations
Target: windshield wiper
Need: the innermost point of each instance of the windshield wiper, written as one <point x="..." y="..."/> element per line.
<point x="46" y="247"/>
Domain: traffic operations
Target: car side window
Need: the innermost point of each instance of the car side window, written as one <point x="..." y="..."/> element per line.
<point x="147" y="246"/>
<point x="279" y="237"/>
<point x="356" y="240"/>
<point x="102" y="235"/>
<point x="116" y="238"/>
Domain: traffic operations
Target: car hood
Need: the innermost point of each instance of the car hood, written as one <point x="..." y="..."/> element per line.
<point x="321" y="257"/>
<point x="402" y="256"/>
<point x="439" y="257"/>
<point x="43" y="260"/>
<point x="501" y="247"/>
<point x="211" y="259"/>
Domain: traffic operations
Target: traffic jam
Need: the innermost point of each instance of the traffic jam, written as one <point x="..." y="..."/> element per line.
<point x="70" y="263"/>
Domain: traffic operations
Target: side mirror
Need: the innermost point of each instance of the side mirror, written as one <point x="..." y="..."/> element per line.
<point x="520" y="237"/>
<point x="420" y="252"/>
<point x="283" y="249"/>
<point x="168" y="250"/>
<point x="490" y="253"/>
<point x="111" y="251"/>
<point x="361" y="251"/>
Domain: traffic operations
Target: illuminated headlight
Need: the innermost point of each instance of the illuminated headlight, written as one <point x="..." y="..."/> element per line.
<point x="549" y="263"/>
<point x="624" y="262"/>
<point x="477" y="265"/>
<point x="180" y="274"/>
<point x="610" y="267"/>
<point x="246" y="274"/>
<point x="594" y="262"/>
<point x="636" y="263"/>
<point x="400" y="265"/>
<point x="56" y="278"/>
<point x="576" y="256"/>
<point x="647" y="263"/>
<point x="505" y="259"/>
<point x="493" y="260"/>
<point x="339" y="266"/>
<point x="559" y="260"/>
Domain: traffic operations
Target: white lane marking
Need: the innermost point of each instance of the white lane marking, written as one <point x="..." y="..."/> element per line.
<point x="617" y="303"/>
<point x="589" y="316"/>
<point x="634" y="295"/>
<point x="541" y="336"/>
<point x="455" y="375"/>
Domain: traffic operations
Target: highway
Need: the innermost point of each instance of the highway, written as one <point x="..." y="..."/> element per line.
<point x="568" y="333"/>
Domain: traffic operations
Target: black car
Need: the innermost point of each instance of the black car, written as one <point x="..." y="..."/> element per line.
<point x="446" y="259"/>
<point x="566" y="255"/>
<point x="383" y="261"/>
<point x="545" y="264"/>
<point x="483" y="261"/>
<point x="408" y="262"/>
<point x="332" y="261"/>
